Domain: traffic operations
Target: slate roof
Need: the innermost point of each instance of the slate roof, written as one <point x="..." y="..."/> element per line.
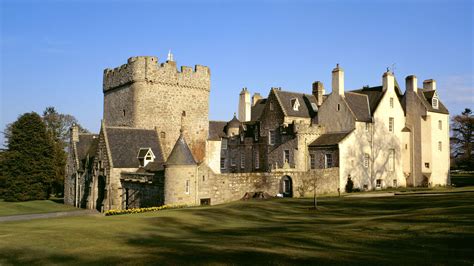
<point x="375" y="94"/>
<point x="426" y="98"/>
<point x="235" y="123"/>
<point x="359" y="104"/>
<point x="305" y="100"/>
<point x="87" y="146"/>
<point x="142" y="152"/>
<point x="330" y="139"/>
<point x="216" y="130"/>
<point x="124" y="144"/>
<point x="181" y="154"/>
<point x="257" y="109"/>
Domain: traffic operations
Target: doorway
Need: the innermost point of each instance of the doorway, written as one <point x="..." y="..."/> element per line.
<point x="287" y="187"/>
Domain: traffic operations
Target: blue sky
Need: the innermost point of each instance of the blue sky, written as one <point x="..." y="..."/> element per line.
<point x="53" y="53"/>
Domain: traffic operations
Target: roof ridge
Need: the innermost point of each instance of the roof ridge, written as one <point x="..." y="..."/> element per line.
<point x="129" y="128"/>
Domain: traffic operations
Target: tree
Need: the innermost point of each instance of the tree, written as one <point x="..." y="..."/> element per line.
<point x="28" y="165"/>
<point x="462" y="127"/>
<point x="58" y="126"/>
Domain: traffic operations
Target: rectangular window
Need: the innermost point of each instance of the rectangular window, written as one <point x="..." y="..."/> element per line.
<point x="224" y="144"/>
<point x="312" y="160"/>
<point x="257" y="159"/>
<point x="222" y="163"/>
<point x="378" y="183"/>
<point x="395" y="183"/>
<point x="286" y="156"/>
<point x="328" y="160"/>
<point x="390" y="124"/>
<point x="187" y="187"/>
<point x="440" y="125"/>
<point x="391" y="102"/>
<point x="391" y="160"/>
<point x="366" y="126"/>
<point x="242" y="160"/>
<point x="232" y="161"/>
<point x="366" y="160"/>
<point x="427" y="165"/>
<point x="435" y="103"/>
<point x="440" y="146"/>
<point x="272" y="137"/>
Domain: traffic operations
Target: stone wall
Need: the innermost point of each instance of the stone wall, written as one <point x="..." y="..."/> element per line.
<point x="142" y="190"/>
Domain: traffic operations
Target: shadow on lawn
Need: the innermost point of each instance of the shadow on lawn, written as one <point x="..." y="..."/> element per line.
<point x="405" y="230"/>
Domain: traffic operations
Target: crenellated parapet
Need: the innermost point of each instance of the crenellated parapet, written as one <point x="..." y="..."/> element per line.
<point x="147" y="68"/>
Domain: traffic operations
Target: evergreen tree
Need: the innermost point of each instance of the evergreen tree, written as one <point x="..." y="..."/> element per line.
<point x="462" y="140"/>
<point x="28" y="166"/>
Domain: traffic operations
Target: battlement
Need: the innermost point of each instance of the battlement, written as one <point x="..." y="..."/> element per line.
<point x="147" y="68"/>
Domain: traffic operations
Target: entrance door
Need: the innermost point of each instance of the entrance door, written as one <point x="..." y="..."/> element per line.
<point x="287" y="186"/>
<point x="100" y="192"/>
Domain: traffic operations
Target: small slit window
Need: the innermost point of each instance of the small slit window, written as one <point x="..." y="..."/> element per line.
<point x="338" y="107"/>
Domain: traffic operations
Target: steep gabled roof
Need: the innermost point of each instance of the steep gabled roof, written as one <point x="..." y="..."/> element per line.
<point x="330" y="139"/>
<point x="306" y="108"/>
<point x="181" y="154"/>
<point x="125" y="142"/>
<point x="216" y="130"/>
<point x="427" y="96"/>
<point x="359" y="104"/>
<point x="87" y="146"/>
<point x="257" y="109"/>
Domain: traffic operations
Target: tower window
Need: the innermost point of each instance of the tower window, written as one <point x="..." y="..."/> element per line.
<point x="440" y="146"/>
<point x="286" y="156"/>
<point x="328" y="160"/>
<point x="123" y="111"/>
<point x="366" y="160"/>
<point x="186" y="189"/>
<point x="257" y="159"/>
<point x="272" y="137"/>
<point x="163" y="135"/>
<point x="391" y="102"/>
<point x="440" y="125"/>
<point x="390" y="124"/>
<point x="338" y="107"/>
<point x="242" y="160"/>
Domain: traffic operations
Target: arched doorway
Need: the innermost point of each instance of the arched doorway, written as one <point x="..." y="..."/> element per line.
<point x="100" y="192"/>
<point x="287" y="186"/>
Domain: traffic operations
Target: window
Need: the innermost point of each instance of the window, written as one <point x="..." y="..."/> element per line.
<point x="440" y="146"/>
<point x="286" y="156"/>
<point x="435" y="102"/>
<point x="406" y="146"/>
<point x="440" y="125"/>
<point x="222" y="163"/>
<point x="328" y="160"/>
<point x="390" y="124"/>
<point x="338" y="107"/>
<point x="242" y="160"/>
<point x="206" y="201"/>
<point x="123" y="112"/>
<point x="391" y="160"/>
<point x="378" y="183"/>
<point x="395" y="183"/>
<point x="232" y="161"/>
<point x="391" y="102"/>
<point x="186" y="189"/>
<point x="203" y="178"/>
<point x="163" y="135"/>
<point x="257" y="159"/>
<point x="427" y="165"/>
<point x="272" y="137"/>
<point x="366" y="126"/>
<point x="224" y="144"/>
<point x="295" y="104"/>
<point x="312" y="160"/>
<point x="183" y="113"/>
<point x="366" y="160"/>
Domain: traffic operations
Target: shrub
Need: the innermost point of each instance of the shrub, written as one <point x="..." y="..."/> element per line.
<point x="140" y="210"/>
<point x="349" y="185"/>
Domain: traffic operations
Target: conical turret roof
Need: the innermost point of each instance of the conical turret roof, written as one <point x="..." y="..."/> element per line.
<point x="181" y="154"/>
<point x="235" y="123"/>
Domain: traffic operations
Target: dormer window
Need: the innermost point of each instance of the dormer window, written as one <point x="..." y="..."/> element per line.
<point x="145" y="156"/>
<point x="435" y="102"/>
<point x="295" y="104"/>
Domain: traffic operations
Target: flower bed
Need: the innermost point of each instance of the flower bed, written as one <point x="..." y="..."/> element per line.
<point x="140" y="210"/>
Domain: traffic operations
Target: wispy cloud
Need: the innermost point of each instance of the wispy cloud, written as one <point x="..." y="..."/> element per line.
<point x="458" y="90"/>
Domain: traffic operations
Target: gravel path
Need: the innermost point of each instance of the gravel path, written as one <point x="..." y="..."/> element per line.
<point x="24" y="217"/>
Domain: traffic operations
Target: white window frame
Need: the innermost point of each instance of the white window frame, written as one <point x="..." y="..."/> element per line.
<point x="312" y="161"/>
<point x="257" y="159"/>
<point x="272" y="137"/>
<point x="366" y="160"/>
<point x="378" y="183"/>
<point x="391" y="124"/>
<point x="328" y="160"/>
<point x="435" y="102"/>
<point x="295" y="104"/>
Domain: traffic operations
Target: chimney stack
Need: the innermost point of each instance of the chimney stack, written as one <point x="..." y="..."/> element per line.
<point x="318" y="92"/>
<point x="338" y="80"/>
<point x="256" y="96"/>
<point x="244" y="105"/>
<point x="388" y="81"/>
<point x="429" y="84"/>
<point x="411" y="83"/>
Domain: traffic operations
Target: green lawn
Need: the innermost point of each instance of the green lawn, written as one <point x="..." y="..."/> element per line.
<point x="35" y="206"/>
<point x="396" y="230"/>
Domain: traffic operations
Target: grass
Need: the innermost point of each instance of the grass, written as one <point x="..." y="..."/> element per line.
<point x="31" y="207"/>
<point x="394" y="230"/>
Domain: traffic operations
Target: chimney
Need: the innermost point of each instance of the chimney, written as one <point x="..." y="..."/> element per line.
<point x="256" y="96"/>
<point x="74" y="133"/>
<point x="318" y="92"/>
<point x="388" y="81"/>
<point x="338" y="80"/>
<point x="411" y="83"/>
<point x="244" y="105"/>
<point x="429" y="84"/>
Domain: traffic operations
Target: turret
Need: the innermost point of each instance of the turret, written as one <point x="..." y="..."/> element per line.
<point x="338" y="80"/>
<point x="244" y="105"/>
<point x="233" y="127"/>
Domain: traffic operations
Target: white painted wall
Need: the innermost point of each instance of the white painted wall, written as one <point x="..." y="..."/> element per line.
<point x="213" y="155"/>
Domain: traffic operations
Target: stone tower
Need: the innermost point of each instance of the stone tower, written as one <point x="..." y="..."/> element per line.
<point x="149" y="95"/>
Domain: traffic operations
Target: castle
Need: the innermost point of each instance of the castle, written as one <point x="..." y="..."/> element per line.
<point x="157" y="146"/>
